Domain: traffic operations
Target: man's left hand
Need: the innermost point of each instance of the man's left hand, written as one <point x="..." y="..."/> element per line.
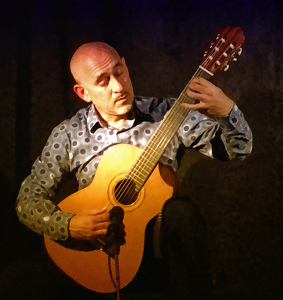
<point x="208" y="98"/>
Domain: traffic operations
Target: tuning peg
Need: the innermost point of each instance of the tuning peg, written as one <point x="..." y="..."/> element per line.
<point x="226" y="68"/>
<point x="235" y="59"/>
<point x="240" y="51"/>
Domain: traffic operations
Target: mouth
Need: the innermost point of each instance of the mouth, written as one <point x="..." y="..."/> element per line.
<point x="122" y="98"/>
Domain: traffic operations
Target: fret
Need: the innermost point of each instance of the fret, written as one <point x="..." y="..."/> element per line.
<point x="145" y="168"/>
<point x="149" y="157"/>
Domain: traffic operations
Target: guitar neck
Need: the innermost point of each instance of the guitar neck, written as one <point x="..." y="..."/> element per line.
<point x="149" y="157"/>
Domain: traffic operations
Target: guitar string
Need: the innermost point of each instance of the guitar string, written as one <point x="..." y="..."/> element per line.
<point x="125" y="187"/>
<point x="145" y="164"/>
<point x="125" y="191"/>
<point x="184" y="98"/>
<point x="128" y="183"/>
<point x="141" y="164"/>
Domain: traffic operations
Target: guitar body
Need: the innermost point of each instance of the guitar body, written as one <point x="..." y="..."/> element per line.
<point x="90" y="268"/>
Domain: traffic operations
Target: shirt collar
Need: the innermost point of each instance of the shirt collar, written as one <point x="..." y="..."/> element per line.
<point x="94" y="121"/>
<point x="92" y="118"/>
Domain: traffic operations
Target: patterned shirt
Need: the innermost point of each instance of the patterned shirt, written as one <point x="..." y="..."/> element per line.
<point x="77" y="145"/>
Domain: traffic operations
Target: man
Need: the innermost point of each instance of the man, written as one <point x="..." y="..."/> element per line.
<point x="115" y="116"/>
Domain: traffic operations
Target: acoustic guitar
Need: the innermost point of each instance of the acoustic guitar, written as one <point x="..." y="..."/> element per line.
<point x="134" y="180"/>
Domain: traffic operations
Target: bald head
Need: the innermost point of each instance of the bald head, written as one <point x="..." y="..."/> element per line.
<point x="88" y="54"/>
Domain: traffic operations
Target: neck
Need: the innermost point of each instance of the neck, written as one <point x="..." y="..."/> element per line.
<point x="116" y="121"/>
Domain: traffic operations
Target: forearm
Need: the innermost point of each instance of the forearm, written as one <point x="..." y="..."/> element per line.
<point x="39" y="213"/>
<point x="236" y="134"/>
<point x="223" y="138"/>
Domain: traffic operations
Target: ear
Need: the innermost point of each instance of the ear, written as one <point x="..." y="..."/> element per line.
<point x="124" y="63"/>
<point x="82" y="92"/>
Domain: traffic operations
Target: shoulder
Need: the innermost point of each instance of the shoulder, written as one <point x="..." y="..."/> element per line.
<point x="80" y="119"/>
<point x="154" y="105"/>
<point x="78" y="123"/>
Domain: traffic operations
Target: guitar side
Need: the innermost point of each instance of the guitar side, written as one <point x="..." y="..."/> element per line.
<point x="90" y="268"/>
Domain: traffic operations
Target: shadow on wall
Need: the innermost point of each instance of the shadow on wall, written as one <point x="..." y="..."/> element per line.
<point x="243" y="206"/>
<point x="17" y="241"/>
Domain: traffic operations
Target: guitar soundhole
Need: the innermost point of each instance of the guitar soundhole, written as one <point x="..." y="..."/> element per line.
<point x="125" y="192"/>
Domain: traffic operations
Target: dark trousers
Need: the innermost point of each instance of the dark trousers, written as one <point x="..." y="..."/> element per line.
<point x="181" y="273"/>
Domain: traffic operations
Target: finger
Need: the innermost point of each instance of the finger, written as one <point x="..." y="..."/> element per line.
<point x="98" y="228"/>
<point x="194" y="106"/>
<point x="202" y="86"/>
<point x="198" y="99"/>
<point x="103" y="218"/>
<point x="201" y="81"/>
<point x="99" y="233"/>
<point x="194" y="88"/>
<point x="96" y="211"/>
<point x="193" y="94"/>
<point x="198" y="91"/>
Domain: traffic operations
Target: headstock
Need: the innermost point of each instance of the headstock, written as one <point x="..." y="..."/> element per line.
<point x="226" y="45"/>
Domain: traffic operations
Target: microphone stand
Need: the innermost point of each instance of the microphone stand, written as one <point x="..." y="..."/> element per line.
<point x="113" y="241"/>
<point x="117" y="272"/>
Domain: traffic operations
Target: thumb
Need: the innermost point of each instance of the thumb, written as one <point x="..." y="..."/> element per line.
<point x="96" y="211"/>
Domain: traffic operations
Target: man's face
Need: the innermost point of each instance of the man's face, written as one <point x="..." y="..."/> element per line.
<point x="108" y="85"/>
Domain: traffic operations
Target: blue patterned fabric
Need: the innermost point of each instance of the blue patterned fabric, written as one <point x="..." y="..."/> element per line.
<point x="77" y="145"/>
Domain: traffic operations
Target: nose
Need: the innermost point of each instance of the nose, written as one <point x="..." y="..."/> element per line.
<point x="117" y="85"/>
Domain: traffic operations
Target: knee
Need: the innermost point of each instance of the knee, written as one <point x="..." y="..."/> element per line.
<point x="180" y="208"/>
<point x="181" y="214"/>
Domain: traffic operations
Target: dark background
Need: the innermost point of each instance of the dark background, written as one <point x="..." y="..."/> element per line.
<point x="163" y="42"/>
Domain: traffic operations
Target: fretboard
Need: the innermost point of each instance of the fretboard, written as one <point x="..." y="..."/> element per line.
<point x="150" y="155"/>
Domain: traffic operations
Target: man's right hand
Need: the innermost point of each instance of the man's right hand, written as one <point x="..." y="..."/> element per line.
<point x="89" y="225"/>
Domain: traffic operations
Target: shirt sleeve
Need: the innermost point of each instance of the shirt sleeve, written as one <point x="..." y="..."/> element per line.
<point x="236" y="134"/>
<point x="34" y="206"/>
<point x="225" y="138"/>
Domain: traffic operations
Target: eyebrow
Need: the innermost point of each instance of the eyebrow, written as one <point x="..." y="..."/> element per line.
<point x="99" y="77"/>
